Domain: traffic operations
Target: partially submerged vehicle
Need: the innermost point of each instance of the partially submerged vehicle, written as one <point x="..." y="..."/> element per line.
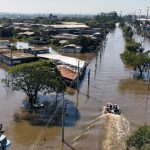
<point x="112" y="108"/>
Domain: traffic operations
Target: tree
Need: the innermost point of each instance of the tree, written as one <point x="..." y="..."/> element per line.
<point x="41" y="76"/>
<point x="140" y="138"/>
<point x="86" y="43"/>
<point x="92" y="23"/>
<point x="128" y="33"/>
<point x="137" y="60"/>
<point x="133" y="46"/>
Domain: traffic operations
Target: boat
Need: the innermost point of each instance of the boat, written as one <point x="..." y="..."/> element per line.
<point x="112" y="108"/>
<point x="4" y="142"/>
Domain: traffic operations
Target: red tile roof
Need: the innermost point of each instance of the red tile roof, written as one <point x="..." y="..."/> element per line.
<point x="67" y="72"/>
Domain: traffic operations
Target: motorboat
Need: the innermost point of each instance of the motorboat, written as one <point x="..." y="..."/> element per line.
<point x="4" y="142"/>
<point x="112" y="108"/>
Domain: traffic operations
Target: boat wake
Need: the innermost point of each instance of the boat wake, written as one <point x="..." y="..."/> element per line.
<point x="107" y="132"/>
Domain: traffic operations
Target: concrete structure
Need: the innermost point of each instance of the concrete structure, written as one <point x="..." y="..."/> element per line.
<point x="65" y="60"/>
<point x="71" y="48"/>
<point x="16" y="58"/>
<point x="4" y="42"/>
<point x="39" y="50"/>
<point x="4" y="49"/>
<point x="65" y="36"/>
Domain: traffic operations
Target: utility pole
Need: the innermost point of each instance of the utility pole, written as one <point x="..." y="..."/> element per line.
<point x="147" y="13"/>
<point x="78" y="85"/>
<point x="63" y="116"/>
<point x="78" y="76"/>
<point x="11" y="56"/>
<point x="139" y="14"/>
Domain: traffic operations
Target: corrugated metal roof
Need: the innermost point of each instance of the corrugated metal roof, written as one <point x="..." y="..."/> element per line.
<point x="64" y="59"/>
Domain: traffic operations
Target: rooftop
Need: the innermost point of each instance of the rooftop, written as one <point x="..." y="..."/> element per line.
<point x="70" y="25"/>
<point x="4" y="47"/>
<point x="71" y="46"/>
<point x="65" y="36"/>
<point x="5" y="50"/>
<point x="26" y="33"/>
<point x="67" y="72"/>
<point x="64" y="59"/>
<point x="4" y="41"/>
<point x="39" y="49"/>
<point x="16" y="55"/>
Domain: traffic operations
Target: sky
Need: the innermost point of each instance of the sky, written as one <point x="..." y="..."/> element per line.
<point x="74" y="6"/>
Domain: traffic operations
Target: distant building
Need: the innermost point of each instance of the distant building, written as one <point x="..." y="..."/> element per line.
<point x="4" y="42"/>
<point x="27" y="33"/>
<point x="66" y="27"/>
<point x="52" y="17"/>
<point x="4" y="49"/>
<point x="65" y="36"/>
<point x="39" y="50"/>
<point x="16" y="58"/>
<point x="71" y="48"/>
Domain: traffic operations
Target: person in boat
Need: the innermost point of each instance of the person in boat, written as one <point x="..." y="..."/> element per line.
<point x="109" y="108"/>
<point x="116" y="109"/>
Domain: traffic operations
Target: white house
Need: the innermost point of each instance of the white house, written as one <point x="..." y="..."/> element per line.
<point x="71" y="48"/>
<point x="4" y="42"/>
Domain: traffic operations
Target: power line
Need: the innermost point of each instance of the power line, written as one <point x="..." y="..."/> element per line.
<point x="44" y="128"/>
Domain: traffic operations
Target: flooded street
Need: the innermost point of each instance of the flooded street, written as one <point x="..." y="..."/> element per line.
<point x="111" y="81"/>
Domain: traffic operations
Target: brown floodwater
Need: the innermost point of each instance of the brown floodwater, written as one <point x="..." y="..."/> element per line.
<point x="110" y="81"/>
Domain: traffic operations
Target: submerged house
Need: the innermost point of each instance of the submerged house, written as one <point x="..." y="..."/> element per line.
<point x="71" y="68"/>
<point x="35" y="50"/>
<point x="4" y="42"/>
<point x="4" y="49"/>
<point x="68" y="74"/>
<point x="65" y="36"/>
<point x="16" y="58"/>
<point x="71" y="48"/>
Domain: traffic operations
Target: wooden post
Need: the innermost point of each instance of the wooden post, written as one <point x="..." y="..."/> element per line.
<point x="63" y="116"/>
<point x="78" y="87"/>
<point x="89" y="78"/>
<point x="148" y="79"/>
<point x="11" y="57"/>
<point x="78" y="78"/>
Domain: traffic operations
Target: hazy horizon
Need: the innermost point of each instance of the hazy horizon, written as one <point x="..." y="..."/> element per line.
<point x="74" y="6"/>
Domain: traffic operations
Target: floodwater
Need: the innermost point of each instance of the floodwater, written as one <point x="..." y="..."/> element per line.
<point x="110" y="81"/>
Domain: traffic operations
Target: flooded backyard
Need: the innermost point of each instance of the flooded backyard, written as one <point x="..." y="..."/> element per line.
<point x="110" y="81"/>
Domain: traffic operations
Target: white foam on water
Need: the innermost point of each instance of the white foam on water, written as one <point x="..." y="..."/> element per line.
<point x="115" y="129"/>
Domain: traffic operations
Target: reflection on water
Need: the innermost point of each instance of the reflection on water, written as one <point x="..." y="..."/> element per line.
<point x="110" y="81"/>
